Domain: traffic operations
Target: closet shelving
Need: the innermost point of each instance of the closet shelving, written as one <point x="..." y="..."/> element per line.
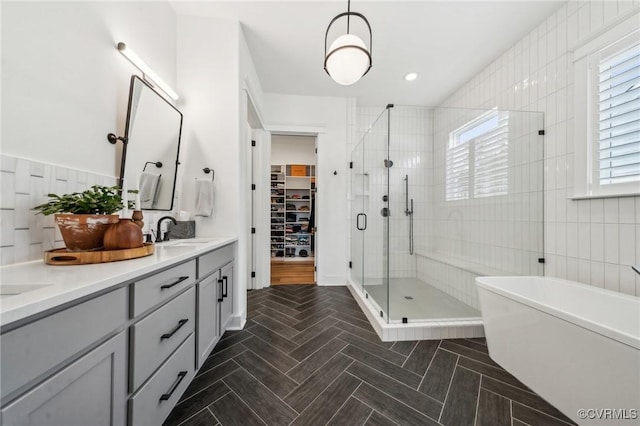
<point x="292" y="188"/>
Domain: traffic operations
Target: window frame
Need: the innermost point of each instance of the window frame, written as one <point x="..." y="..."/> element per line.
<point x="587" y="59"/>
<point x="470" y="145"/>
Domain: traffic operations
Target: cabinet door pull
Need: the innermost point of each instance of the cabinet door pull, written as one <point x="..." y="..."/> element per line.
<point x="166" y="396"/>
<point x="172" y="332"/>
<point x="180" y="279"/>
<point x="221" y="297"/>
<point x="226" y="286"/>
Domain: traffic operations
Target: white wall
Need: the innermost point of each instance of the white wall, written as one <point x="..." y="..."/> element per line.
<point x="65" y="85"/>
<point x="591" y="241"/>
<point x="208" y="83"/>
<point x="216" y="77"/>
<point x="328" y="118"/>
<point x="287" y="149"/>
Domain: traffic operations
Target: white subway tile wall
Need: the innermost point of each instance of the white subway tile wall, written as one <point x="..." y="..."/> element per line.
<point x="592" y="241"/>
<point x="499" y="234"/>
<point x="24" y="235"/>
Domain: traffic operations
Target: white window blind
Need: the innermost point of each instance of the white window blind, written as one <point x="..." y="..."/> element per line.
<point x="457" y="176"/>
<point x="492" y="159"/>
<point x="619" y="117"/>
<point x="478" y="158"/>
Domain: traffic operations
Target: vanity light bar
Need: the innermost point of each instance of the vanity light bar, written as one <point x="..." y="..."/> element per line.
<point x="146" y="70"/>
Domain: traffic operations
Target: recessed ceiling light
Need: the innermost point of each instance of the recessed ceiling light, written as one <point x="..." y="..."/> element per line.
<point x="411" y="76"/>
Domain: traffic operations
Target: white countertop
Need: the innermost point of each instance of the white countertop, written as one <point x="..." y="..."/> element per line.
<point x="42" y="287"/>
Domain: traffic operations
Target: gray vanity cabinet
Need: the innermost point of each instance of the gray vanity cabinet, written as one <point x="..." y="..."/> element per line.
<point x="162" y="342"/>
<point x="215" y="295"/>
<point x="66" y="370"/>
<point x="208" y="321"/>
<point x="90" y="391"/>
<point x="122" y="358"/>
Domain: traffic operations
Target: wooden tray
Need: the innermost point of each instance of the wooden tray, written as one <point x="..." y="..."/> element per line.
<point x="64" y="257"/>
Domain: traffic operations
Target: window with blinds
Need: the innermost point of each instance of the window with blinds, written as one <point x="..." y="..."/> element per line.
<point x="618" y="150"/>
<point x="478" y="158"/>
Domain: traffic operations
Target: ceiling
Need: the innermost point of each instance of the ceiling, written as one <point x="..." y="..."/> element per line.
<point x="446" y="42"/>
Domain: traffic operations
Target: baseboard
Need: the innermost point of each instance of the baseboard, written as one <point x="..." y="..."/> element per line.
<point x="237" y="322"/>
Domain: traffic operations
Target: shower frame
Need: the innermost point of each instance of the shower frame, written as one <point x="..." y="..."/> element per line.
<point x="377" y="148"/>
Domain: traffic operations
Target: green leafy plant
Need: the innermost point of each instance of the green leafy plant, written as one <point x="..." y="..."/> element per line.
<point x="97" y="200"/>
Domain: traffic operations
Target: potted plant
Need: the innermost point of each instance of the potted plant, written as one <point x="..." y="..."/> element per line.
<point x="83" y="217"/>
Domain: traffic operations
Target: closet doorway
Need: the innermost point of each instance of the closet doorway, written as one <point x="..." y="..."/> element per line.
<point x="292" y="210"/>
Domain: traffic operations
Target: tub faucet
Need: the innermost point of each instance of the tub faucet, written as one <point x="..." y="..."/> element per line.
<point x="159" y="237"/>
<point x="636" y="269"/>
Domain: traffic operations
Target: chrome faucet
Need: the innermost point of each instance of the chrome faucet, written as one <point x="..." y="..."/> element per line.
<point x="636" y="269"/>
<point x="159" y="237"/>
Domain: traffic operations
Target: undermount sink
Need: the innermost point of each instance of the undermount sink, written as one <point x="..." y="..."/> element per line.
<point x="7" y="290"/>
<point x="178" y="247"/>
<point x="174" y="248"/>
<point x="190" y="242"/>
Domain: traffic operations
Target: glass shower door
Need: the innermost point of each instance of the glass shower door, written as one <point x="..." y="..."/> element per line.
<point x="359" y="196"/>
<point x="376" y="208"/>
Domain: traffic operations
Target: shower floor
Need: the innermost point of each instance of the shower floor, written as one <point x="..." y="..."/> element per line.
<point x="416" y="300"/>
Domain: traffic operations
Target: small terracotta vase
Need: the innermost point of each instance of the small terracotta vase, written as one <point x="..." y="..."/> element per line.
<point x="137" y="218"/>
<point x="84" y="232"/>
<point x="123" y="235"/>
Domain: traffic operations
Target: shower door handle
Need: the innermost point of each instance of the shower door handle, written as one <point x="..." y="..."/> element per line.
<point x="358" y="221"/>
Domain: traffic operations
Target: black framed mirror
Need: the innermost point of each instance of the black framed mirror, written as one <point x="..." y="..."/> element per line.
<point x="150" y="156"/>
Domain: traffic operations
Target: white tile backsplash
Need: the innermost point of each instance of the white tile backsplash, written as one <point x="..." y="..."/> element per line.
<point x="7" y="186"/>
<point x="25" y="183"/>
<point x="7" y="227"/>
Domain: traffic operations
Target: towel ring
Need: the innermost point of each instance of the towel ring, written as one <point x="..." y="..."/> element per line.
<point x="207" y="170"/>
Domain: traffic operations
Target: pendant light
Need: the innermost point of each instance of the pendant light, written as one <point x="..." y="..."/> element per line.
<point x="348" y="58"/>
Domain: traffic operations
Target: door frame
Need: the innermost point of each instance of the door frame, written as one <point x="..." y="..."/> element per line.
<point x="284" y="130"/>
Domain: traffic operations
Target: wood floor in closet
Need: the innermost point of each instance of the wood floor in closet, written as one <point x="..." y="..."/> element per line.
<point x="292" y="271"/>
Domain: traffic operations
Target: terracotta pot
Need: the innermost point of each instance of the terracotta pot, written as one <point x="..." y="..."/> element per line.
<point x="123" y="235"/>
<point x="84" y="232"/>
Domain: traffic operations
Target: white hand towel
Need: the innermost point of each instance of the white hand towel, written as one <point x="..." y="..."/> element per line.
<point x="204" y="197"/>
<point x="148" y="189"/>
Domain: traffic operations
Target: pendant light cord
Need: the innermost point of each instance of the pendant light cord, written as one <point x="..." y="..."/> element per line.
<point x="348" y="14"/>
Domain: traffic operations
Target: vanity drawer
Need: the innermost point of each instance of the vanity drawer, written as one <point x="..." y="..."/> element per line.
<point x="152" y="290"/>
<point x="154" y="401"/>
<point x="33" y="349"/>
<point x="210" y="262"/>
<point x="155" y="337"/>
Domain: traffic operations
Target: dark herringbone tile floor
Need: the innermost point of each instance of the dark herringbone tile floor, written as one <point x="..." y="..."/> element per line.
<point x="308" y="356"/>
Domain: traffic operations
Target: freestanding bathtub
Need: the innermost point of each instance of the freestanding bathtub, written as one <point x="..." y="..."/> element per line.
<point x="577" y="346"/>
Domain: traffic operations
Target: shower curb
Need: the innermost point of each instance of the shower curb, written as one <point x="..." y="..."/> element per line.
<point x="415" y="330"/>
